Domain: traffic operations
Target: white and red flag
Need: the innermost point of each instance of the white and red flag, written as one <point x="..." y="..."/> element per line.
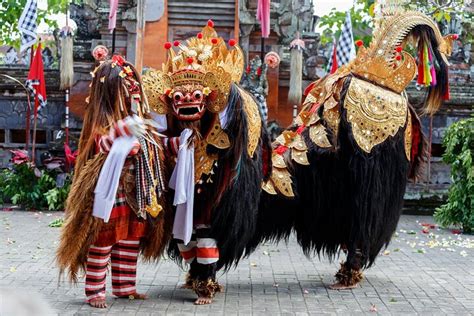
<point x="27" y="25"/>
<point x="35" y="81"/>
<point x="345" y="49"/>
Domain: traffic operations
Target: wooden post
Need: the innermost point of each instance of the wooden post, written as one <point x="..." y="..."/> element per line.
<point x="66" y="116"/>
<point x="140" y="33"/>
<point x="236" y="21"/>
<point x="28" y="109"/>
<point x="113" y="41"/>
<point x="428" y="169"/>
<point x="35" y="120"/>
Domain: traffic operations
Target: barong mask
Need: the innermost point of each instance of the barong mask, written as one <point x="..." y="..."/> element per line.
<point x="196" y="76"/>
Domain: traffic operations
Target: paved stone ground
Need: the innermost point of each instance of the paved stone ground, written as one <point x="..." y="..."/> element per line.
<point x="420" y="273"/>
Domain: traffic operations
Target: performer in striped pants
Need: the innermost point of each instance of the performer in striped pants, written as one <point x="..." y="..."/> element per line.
<point x="116" y="206"/>
<point x="123" y="257"/>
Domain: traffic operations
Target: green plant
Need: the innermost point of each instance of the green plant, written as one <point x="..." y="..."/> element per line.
<point x="57" y="223"/>
<point x="30" y="187"/>
<point x="56" y="197"/>
<point x="459" y="154"/>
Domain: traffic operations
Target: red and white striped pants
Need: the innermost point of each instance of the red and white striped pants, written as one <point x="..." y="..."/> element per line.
<point x="123" y="256"/>
<point x="203" y="249"/>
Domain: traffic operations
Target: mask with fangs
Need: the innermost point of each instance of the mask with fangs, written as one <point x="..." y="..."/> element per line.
<point x="189" y="102"/>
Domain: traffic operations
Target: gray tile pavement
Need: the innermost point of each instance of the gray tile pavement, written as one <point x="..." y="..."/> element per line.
<point x="426" y="273"/>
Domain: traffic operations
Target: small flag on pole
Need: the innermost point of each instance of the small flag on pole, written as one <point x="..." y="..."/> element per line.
<point x="35" y="82"/>
<point x="27" y="25"/>
<point x="113" y="14"/>
<point x="345" y="48"/>
<point x="263" y="15"/>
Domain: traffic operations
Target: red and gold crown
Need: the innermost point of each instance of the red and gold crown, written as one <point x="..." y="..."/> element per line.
<point x="205" y="60"/>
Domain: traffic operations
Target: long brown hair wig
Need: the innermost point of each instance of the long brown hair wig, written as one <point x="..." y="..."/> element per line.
<point x="109" y="101"/>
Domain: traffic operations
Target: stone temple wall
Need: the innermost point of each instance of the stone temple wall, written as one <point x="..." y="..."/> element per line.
<point x="13" y="113"/>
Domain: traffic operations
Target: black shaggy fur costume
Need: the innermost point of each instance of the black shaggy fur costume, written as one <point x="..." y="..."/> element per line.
<point x="346" y="198"/>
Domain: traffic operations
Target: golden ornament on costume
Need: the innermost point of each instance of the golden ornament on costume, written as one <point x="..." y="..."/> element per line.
<point x="378" y="63"/>
<point x="254" y="121"/>
<point x="408" y="137"/>
<point x="374" y="113"/>
<point x="204" y="162"/>
<point x="318" y="135"/>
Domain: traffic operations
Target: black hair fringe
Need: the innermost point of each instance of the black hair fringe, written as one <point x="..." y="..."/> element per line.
<point x="234" y="218"/>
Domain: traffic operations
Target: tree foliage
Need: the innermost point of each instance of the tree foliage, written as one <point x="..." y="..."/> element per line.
<point x="443" y="11"/>
<point x="459" y="154"/>
<point x="10" y="12"/>
<point x="361" y="16"/>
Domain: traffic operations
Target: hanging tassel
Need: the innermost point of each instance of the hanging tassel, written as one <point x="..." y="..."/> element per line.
<point x="421" y="77"/>
<point x="66" y="66"/>
<point x="432" y="67"/>
<point x="296" y="69"/>
<point x="426" y="64"/>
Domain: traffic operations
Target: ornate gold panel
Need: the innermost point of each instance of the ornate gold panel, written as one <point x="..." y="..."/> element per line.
<point x="375" y="113"/>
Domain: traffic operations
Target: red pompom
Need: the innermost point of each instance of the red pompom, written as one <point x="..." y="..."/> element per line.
<point x="232" y="42"/>
<point x="167" y="45"/>
<point x="398" y="57"/>
<point x="455" y="36"/>
<point x="190" y="60"/>
<point x="398" y="49"/>
<point x="199" y="35"/>
<point x="259" y="71"/>
<point x="119" y="60"/>
<point x="214" y="41"/>
<point x="248" y="69"/>
<point x="176" y="43"/>
<point x="210" y="23"/>
<point x="359" y="43"/>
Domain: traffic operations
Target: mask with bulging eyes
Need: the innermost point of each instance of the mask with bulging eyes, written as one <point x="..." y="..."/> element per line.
<point x="189" y="102"/>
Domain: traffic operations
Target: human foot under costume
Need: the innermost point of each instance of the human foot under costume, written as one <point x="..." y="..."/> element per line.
<point x="116" y="207"/>
<point x="339" y="174"/>
<point x="218" y="144"/>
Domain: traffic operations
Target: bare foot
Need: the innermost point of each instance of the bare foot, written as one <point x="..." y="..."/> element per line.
<point x="203" y="301"/>
<point x="340" y="286"/>
<point x="135" y="296"/>
<point x="98" y="302"/>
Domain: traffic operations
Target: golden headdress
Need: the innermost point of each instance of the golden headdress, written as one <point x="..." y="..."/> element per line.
<point x="203" y="59"/>
<point x="379" y="62"/>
